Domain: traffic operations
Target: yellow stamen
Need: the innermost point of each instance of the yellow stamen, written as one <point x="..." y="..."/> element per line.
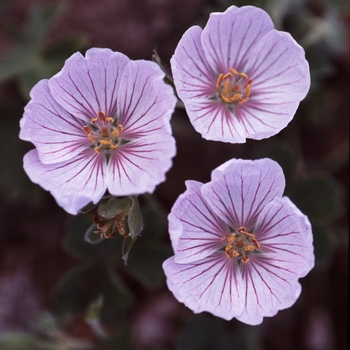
<point x="235" y="253"/>
<point x="242" y="230"/>
<point x="235" y="97"/>
<point x="115" y="132"/>
<point x="231" y="86"/>
<point x="91" y="138"/>
<point x="218" y="82"/>
<point x="86" y="129"/>
<point x="245" y="259"/>
<point x="256" y="243"/>
<point x="105" y="142"/>
<point x="97" y="149"/>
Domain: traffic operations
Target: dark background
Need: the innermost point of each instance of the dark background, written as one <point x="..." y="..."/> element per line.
<point x="59" y="292"/>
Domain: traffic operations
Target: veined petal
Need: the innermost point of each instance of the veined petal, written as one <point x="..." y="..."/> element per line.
<point x="192" y="75"/>
<point x="240" y="189"/>
<point x="213" y="284"/>
<point x="239" y="78"/>
<point x="284" y="233"/>
<point x="87" y="85"/>
<point x="279" y="70"/>
<point x="73" y="183"/>
<point x="195" y="231"/>
<point x="229" y="37"/>
<point x="215" y="121"/>
<point x="286" y="254"/>
<point x="145" y="103"/>
<point x="268" y="289"/>
<point x="281" y="79"/>
<point x="140" y="165"/>
<point x="57" y="135"/>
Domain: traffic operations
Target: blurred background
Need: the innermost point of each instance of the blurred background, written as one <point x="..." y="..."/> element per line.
<point x="59" y="292"/>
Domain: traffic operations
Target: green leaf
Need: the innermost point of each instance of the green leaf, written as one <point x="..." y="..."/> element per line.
<point x="135" y="222"/>
<point x="83" y="285"/>
<point x="74" y="240"/>
<point x="127" y="245"/>
<point x="16" y="341"/>
<point x="115" y="206"/>
<point x="145" y="262"/>
<point x="91" y="236"/>
<point x="75" y="244"/>
<point x="41" y="20"/>
<point x="318" y="196"/>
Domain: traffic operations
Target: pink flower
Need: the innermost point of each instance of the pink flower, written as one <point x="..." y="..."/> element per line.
<point x="239" y="77"/>
<point x="101" y="123"/>
<point x="240" y="247"/>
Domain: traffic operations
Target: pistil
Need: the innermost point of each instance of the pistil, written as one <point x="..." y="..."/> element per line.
<point x="234" y="86"/>
<point x="103" y="133"/>
<point x="240" y="245"/>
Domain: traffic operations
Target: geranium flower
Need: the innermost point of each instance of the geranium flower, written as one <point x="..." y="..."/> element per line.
<point x="101" y="123"/>
<point x="239" y="77"/>
<point x="240" y="247"/>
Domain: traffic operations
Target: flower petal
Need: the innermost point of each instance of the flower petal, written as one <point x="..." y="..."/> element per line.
<point x="195" y="231"/>
<point x="145" y="103"/>
<point x="57" y="135"/>
<point x="268" y="289"/>
<point x="87" y="85"/>
<point x="286" y="254"/>
<point x="281" y="80"/>
<point x="284" y="233"/>
<point x="229" y="37"/>
<point x="215" y="121"/>
<point x="192" y="75"/>
<point x="213" y="284"/>
<point x="240" y="189"/>
<point x="140" y="165"/>
<point x="73" y="183"/>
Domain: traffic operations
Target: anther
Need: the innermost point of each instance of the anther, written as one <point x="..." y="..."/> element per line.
<point x="105" y="142"/>
<point x="232" y="87"/>
<point x="245" y="259"/>
<point x="115" y="132"/>
<point x="102" y="116"/>
<point x="242" y="230"/>
<point x="86" y="129"/>
<point x="218" y="82"/>
<point x="234" y="71"/>
<point x="256" y="243"/>
<point x="235" y="253"/>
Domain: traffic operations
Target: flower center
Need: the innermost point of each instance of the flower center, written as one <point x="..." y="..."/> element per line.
<point x="240" y="244"/>
<point x="234" y="86"/>
<point x="103" y="133"/>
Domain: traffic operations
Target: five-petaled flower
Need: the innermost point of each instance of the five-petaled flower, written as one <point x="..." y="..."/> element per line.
<point x="239" y="77"/>
<point x="240" y="247"/>
<point x="101" y="123"/>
